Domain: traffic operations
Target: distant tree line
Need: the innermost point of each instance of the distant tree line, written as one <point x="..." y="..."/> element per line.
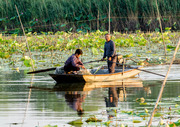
<point x="88" y="15"/>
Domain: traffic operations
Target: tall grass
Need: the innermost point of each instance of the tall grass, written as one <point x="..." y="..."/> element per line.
<point x="53" y="15"/>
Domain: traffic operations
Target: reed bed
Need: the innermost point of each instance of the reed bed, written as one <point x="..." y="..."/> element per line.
<point x="86" y="15"/>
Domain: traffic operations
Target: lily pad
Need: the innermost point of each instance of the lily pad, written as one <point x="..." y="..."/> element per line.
<point x="76" y="122"/>
<point x="137" y="121"/>
<point x="93" y="119"/>
<point x="175" y="124"/>
<point x="158" y="115"/>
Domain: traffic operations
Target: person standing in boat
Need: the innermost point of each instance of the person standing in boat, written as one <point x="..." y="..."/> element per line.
<point x="110" y="53"/>
<point x="73" y="63"/>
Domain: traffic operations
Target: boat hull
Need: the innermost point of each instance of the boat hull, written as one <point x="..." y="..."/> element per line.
<point x="72" y="78"/>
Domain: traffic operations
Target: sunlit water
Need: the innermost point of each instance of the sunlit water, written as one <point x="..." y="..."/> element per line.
<point x="41" y="105"/>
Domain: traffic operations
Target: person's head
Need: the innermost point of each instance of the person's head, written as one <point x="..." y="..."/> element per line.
<point x="108" y="37"/>
<point x="78" y="52"/>
<point x="80" y="112"/>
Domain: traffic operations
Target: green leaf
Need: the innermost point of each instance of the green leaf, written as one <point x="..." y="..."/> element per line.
<point x="158" y="115"/>
<point x="28" y="63"/>
<point x="143" y="103"/>
<point x="94" y="51"/>
<point x="4" y="55"/>
<point x="63" y="25"/>
<point x="128" y="55"/>
<point x="171" y="47"/>
<point x="93" y="119"/>
<point x="12" y="18"/>
<point x="175" y="124"/>
<point x="76" y="122"/>
<point x="50" y="126"/>
<point x="70" y="29"/>
<point x="101" y="50"/>
<point x="2" y="19"/>
<point x="107" y="123"/>
<point x="143" y="114"/>
<point x="137" y="121"/>
<point x="41" y="61"/>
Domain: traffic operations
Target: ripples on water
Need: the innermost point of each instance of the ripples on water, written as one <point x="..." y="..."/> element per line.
<point x="57" y="105"/>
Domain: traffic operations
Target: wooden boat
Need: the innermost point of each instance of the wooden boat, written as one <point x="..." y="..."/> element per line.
<point x="97" y="75"/>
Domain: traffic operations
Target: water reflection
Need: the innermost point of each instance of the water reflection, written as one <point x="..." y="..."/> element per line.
<point x="115" y="95"/>
<point x="75" y="100"/>
<point x="112" y="101"/>
<point x="48" y="104"/>
<point x="75" y="93"/>
<point x="131" y="82"/>
<point x="147" y="89"/>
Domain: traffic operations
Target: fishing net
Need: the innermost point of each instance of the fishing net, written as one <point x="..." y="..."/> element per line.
<point x="84" y="72"/>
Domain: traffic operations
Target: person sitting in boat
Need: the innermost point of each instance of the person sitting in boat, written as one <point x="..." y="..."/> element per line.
<point x="110" y="53"/>
<point x="73" y="63"/>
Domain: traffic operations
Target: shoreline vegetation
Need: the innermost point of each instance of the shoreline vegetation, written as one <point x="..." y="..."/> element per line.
<point x="88" y="16"/>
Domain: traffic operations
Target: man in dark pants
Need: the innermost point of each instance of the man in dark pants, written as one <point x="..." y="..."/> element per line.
<point x="73" y="63"/>
<point x="110" y="53"/>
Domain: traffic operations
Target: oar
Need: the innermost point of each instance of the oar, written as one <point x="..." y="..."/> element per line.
<point x="139" y="69"/>
<point x="146" y="71"/>
<point x="93" y="61"/>
<point x="54" y="68"/>
<point x="43" y="70"/>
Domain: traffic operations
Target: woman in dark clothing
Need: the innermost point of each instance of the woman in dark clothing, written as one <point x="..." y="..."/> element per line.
<point x="73" y="63"/>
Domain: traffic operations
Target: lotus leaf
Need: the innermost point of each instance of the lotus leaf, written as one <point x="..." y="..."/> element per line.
<point x="76" y="122"/>
<point x="93" y="119"/>
<point x="137" y="121"/>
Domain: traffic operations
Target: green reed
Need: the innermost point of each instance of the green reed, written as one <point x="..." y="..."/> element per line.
<point x="75" y="15"/>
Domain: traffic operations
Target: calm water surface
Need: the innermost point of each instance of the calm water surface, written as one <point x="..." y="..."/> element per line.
<point x="49" y="103"/>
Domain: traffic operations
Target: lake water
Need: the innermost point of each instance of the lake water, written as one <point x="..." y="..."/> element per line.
<point x="36" y="100"/>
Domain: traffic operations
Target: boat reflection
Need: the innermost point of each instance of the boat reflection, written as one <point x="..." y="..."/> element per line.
<point x="76" y="93"/>
<point x="131" y="82"/>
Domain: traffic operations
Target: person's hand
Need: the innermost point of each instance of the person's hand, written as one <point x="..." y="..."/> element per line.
<point x="102" y="59"/>
<point x="83" y="67"/>
<point x="109" y="59"/>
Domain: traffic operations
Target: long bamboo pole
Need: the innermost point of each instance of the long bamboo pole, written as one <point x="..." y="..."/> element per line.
<point x="163" y="85"/>
<point x="161" y="28"/>
<point x="28" y="100"/>
<point x="25" y="38"/>
<point x="109" y="18"/>
<point x="98" y="20"/>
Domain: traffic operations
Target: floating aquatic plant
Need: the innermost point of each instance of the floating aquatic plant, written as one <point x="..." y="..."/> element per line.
<point x="93" y="119"/>
<point x="143" y="44"/>
<point x="140" y="99"/>
<point x="76" y="122"/>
